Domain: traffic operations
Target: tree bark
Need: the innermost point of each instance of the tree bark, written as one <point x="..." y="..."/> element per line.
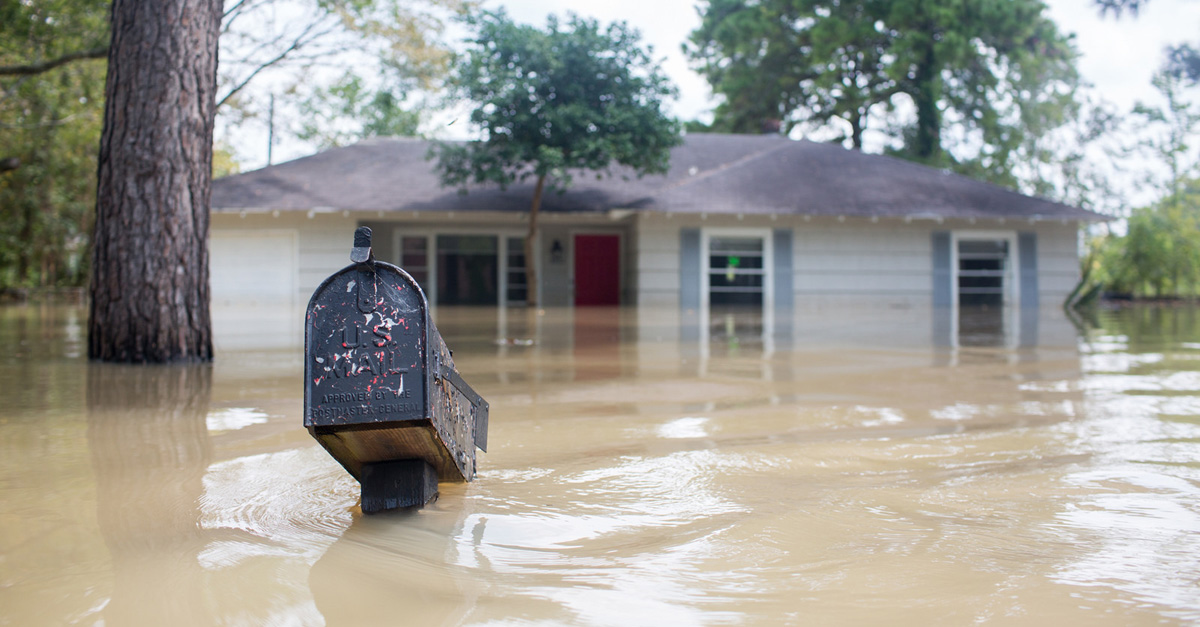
<point x="531" y="291"/>
<point x="926" y="94"/>
<point x="149" y="287"/>
<point x="856" y="130"/>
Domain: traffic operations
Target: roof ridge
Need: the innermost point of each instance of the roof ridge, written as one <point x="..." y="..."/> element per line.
<point x="736" y="163"/>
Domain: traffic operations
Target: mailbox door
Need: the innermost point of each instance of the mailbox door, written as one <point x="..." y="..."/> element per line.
<point x="365" y="349"/>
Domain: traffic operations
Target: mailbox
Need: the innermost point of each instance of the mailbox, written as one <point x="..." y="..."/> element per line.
<point x="381" y="393"/>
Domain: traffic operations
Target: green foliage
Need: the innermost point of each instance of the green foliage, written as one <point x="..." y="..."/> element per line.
<point x="554" y="102"/>
<point x="574" y="96"/>
<point x="347" y="111"/>
<point x="50" y="116"/>
<point x="51" y="123"/>
<point x="1079" y="163"/>
<point x="971" y="83"/>
<point x="276" y="57"/>
<point x="1168" y="131"/>
<point x="224" y="163"/>
<point x="1159" y="255"/>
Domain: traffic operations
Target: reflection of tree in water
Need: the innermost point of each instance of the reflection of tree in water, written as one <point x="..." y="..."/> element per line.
<point x="1152" y="326"/>
<point x="150" y="448"/>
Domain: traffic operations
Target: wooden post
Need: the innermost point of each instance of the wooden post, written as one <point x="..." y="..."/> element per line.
<point x="391" y="485"/>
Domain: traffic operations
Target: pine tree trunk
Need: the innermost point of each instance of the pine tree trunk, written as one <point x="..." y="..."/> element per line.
<point x="149" y="287"/>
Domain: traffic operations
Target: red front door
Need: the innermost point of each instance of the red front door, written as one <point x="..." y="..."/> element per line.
<point x="597" y="270"/>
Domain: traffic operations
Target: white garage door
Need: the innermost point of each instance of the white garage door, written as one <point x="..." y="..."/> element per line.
<point x="253" y="267"/>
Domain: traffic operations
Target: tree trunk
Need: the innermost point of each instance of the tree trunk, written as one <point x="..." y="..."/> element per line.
<point x="928" y="90"/>
<point x="25" y="246"/>
<point x="531" y="291"/>
<point x="149" y="287"/>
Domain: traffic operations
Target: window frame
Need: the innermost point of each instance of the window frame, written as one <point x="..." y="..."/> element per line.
<point x="1011" y="291"/>
<point x="431" y="236"/>
<point x="768" y="262"/>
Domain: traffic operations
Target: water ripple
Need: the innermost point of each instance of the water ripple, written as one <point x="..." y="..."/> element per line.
<point x="293" y="503"/>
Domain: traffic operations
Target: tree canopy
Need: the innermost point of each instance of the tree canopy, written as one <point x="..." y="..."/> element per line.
<point x="963" y="83"/>
<point x="53" y="58"/>
<point x="1158" y="255"/>
<point x="336" y="70"/>
<point x="551" y="102"/>
<point x="51" y="104"/>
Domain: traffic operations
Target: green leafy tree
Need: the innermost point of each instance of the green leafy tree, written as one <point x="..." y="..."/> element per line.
<point x="1080" y="163"/>
<point x="271" y="50"/>
<point x="51" y="105"/>
<point x="347" y="111"/>
<point x="552" y="102"/>
<point x="330" y="72"/>
<point x="1159" y="255"/>
<point x="792" y="62"/>
<point x="1168" y="132"/>
<point x="53" y="59"/>
<point x="997" y="72"/>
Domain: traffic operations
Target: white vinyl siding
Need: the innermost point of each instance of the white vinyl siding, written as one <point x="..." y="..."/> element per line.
<point x="656" y="255"/>
<point x="855" y="262"/>
<point x="1058" y="261"/>
<point x="253" y="267"/>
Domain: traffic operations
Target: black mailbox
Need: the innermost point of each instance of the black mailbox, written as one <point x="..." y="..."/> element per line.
<point x="381" y="393"/>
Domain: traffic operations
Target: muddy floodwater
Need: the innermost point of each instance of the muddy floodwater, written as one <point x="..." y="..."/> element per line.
<point x="848" y="467"/>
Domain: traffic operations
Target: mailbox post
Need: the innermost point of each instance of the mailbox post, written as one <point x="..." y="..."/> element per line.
<point x="381" y="393"/>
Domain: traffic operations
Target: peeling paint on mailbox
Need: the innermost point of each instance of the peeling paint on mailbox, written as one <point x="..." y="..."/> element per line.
<point x="380" y="385"/>
<point x="365" y="367"/>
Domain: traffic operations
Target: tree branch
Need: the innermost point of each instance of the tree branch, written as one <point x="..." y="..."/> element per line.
<point x="299" y="42"/>
<point x="46" y="66"/>
<point x="1116" y="7"/>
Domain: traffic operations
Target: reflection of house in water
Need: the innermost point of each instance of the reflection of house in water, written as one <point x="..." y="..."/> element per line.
<point x="761" y="222"/>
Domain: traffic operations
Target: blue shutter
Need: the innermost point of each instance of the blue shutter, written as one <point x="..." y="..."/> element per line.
<point x="943" y="290"/>
<point x="785" y="294"/>
<point x="689" y="269"/>
<point x="1027" y="247"/>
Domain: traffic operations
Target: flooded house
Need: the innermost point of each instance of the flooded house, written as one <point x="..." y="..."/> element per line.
<point x="740" y="221"/>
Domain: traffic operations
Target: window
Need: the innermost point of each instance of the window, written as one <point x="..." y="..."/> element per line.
<point x="467" y="270"/>
<point x="515" y="271"/>
<point x="736" y="271"/>
<point x="983" y="268"/>
<point x="414" y="258"/>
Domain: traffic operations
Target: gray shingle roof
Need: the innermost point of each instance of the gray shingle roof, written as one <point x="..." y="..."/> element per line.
<point x="710" y="173"/>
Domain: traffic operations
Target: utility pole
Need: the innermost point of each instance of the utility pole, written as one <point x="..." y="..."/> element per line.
<point x="270" y="129"/>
